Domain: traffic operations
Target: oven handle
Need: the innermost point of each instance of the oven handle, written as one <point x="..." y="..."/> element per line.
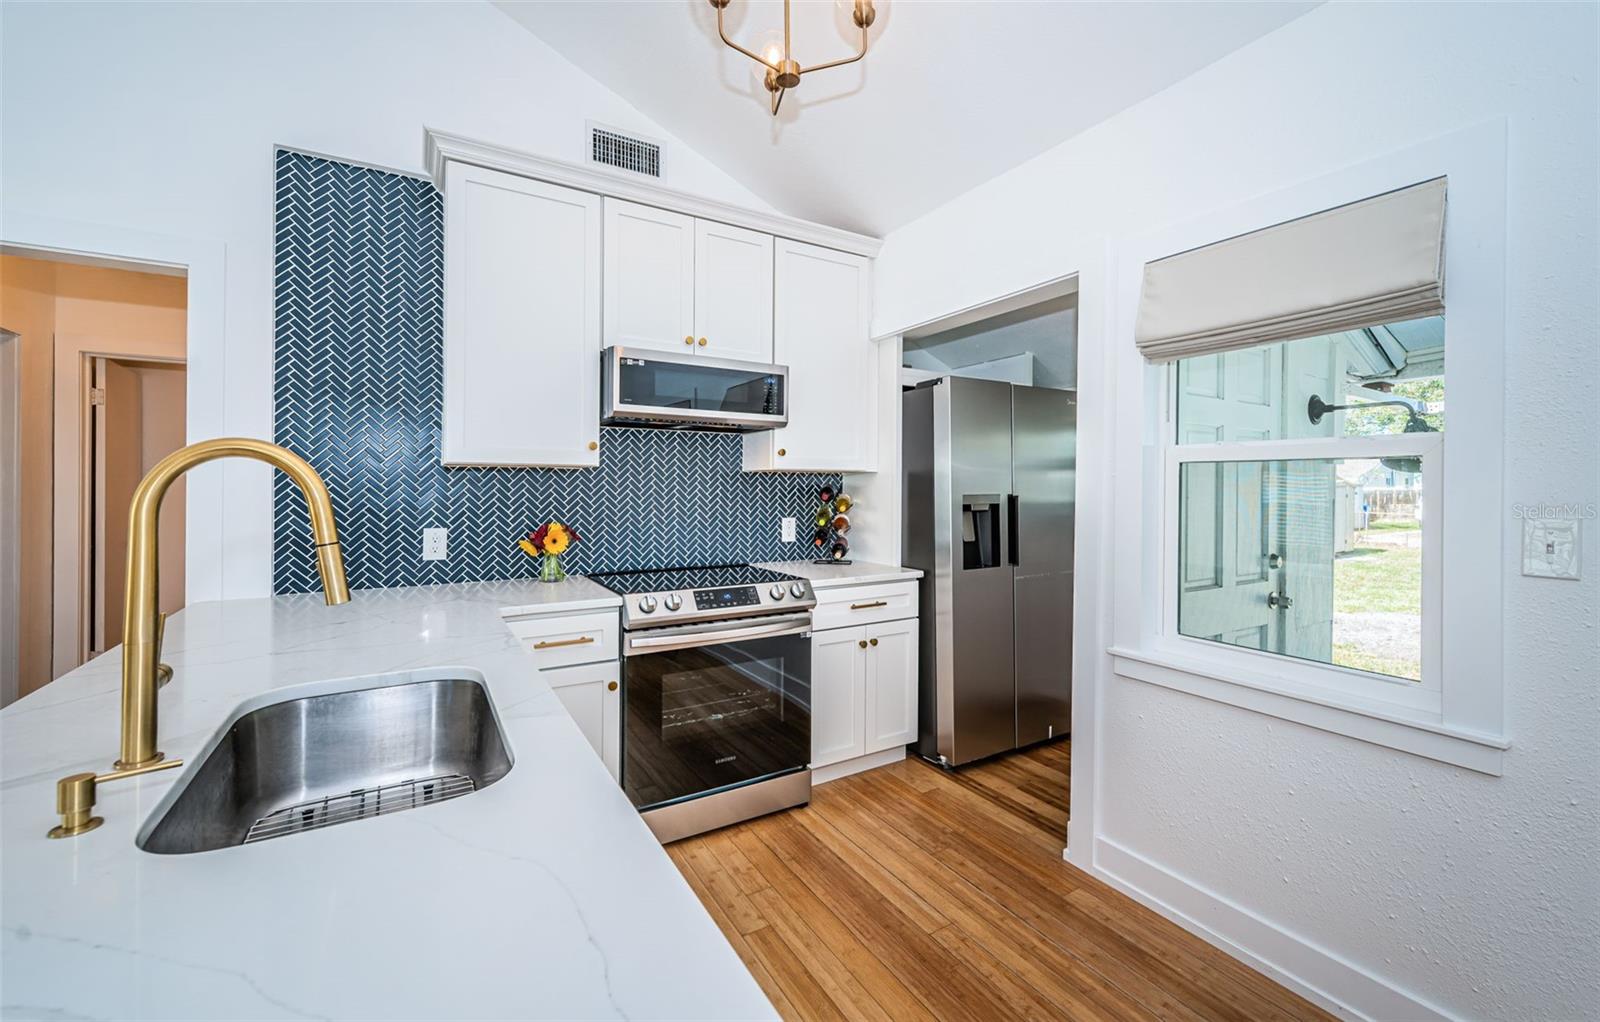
<point x="635" y="646"/>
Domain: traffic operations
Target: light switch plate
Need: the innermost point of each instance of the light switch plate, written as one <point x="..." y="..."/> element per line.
<point x="787" y="530"/>
<point x="435" y="544"/>
<point x="1552" y="547"/>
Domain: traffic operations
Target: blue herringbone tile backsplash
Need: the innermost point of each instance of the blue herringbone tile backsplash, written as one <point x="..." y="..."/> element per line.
<point x="357" y="390"/>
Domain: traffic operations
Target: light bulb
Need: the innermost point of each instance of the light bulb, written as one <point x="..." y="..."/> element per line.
<point x="770" y="47"/>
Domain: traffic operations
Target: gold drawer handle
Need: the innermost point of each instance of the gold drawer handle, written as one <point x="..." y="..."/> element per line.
<point x="688" y="340"/>
<point x="866" y="606"/>
<point x="873" y="641"/>
<point x="582" y="640"/>
<point x="702" y="342"/>
<point x="611" y="686"/>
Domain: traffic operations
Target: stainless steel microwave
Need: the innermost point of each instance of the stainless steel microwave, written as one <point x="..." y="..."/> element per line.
<point x="645" y="387"/>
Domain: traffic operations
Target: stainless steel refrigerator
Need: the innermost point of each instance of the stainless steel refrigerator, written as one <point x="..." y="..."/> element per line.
<point x="989" y="508"/>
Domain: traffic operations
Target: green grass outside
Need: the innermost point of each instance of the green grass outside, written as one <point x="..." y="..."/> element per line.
<point x="1385" y="578"/>
<point x="1395" y="525"/>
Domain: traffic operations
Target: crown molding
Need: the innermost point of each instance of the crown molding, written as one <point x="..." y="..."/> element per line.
<point x="440" y="147"/>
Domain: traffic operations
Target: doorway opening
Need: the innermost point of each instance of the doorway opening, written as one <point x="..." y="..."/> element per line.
<point x="99" y="349"/>
<point x="137" y="417"/>
<point x="989" y="468"/>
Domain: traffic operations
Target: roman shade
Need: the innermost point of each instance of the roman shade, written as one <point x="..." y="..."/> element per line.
<point x="1379" y="260"/>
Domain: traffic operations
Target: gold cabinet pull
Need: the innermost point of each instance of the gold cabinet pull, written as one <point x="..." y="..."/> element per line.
<point x="582" y="640"/>
<point x="782" y="452"/>
<point x="702" y="342"/>
<point x="868" y="606"/>
<point x="862" y="643"/>
<point x="594" y="445"/>
<point x="688" y="340"/>
<point x="873" y="641"/>
<point x="611" y="686"/>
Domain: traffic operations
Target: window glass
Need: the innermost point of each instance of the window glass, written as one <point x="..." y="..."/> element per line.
<point x="1371" y="382"/>
<point x="1319" y="559"/>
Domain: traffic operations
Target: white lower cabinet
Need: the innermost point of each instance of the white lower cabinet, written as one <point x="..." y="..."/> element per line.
<point x="863" y="691"/>
<point x="891" y="688"/>
<point x="592" y="695"/>
<point x="838" y="695"/>
<point x="576" y="655"/>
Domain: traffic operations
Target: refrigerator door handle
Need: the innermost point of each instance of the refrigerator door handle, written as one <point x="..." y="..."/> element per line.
<point x="1012" y="514"/>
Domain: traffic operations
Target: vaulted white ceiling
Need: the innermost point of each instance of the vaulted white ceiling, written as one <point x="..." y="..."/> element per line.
<point x="950" y="95"/>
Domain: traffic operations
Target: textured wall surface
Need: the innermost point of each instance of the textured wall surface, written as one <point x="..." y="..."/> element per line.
<point x="1476" y="894"/>
<point x="358" y="385"/>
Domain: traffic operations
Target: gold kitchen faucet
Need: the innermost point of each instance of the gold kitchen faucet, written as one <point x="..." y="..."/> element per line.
<point x="143" y="623"/>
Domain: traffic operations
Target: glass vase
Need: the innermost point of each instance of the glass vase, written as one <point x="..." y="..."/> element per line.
<point x="550" y="570"/>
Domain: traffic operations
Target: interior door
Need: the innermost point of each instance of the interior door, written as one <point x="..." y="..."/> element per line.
<point x="732" y="292"/>
<point x="1043" y="466"/>
<point x="1256" y="538"/>
<point x="118" y="467"/>
<point x="1227" y="511"/>
<point x="649" y="277"/>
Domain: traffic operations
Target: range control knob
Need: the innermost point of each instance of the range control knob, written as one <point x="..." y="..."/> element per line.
<point x="674" y="601"/>
<point x="647" y="604"/>
<point x="797" y="589"/>
<point x="776" y="592"/>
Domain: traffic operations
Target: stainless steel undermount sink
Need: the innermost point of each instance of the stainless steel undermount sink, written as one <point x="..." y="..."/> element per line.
<point x="333" y="757"/>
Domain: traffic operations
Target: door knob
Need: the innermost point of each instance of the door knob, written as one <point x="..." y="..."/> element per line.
<point x="1274" y="561"/>
<point x="1278" y="601"/>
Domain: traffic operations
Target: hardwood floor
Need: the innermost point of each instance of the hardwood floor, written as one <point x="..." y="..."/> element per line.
<point x="912" y="893"/>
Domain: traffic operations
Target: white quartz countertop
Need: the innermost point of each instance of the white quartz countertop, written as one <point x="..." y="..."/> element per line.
<point x="826" y="576"/>
<point x="543" y="895"/>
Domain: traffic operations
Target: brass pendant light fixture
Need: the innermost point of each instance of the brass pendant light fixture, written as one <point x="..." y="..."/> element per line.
<point x="783" y="72"/>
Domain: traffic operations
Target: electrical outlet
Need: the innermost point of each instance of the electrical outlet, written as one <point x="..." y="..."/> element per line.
<point x="435" y="544"/>
<point x="787" y="527"/>
<point x="1552" y="547"/>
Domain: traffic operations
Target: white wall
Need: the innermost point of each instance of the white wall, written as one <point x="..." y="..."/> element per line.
<point x="159" y="119"/>
<point x="1476" y="895"/>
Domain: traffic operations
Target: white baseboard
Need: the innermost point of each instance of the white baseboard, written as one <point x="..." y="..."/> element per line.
<point x="1313" y="972"/>
<point x="871" y="761"/>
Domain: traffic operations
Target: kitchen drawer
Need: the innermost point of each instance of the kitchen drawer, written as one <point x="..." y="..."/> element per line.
<point x="845" y="606"/>
<point x="560" y="640"/>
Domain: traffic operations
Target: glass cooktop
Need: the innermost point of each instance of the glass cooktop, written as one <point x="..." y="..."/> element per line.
<point x="668" y="579"/>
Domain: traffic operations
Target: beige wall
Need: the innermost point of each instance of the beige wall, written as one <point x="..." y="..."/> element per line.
<point x="27" y="308"/>
<point x="65" y="314"/>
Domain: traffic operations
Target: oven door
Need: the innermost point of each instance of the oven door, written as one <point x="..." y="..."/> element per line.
<point x="714" y="706"/>
<point x="643" y="386"/>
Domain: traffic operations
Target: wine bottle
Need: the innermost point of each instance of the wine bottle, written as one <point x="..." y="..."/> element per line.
<point x="843" y="503"/>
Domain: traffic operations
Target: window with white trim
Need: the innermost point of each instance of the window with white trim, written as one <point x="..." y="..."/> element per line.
<point x="1302" y="515"/>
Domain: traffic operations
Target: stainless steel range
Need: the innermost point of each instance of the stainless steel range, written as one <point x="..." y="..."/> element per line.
<point x="716" y="694"/>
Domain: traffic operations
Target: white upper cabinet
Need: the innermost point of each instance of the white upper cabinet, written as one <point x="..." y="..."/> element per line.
<point x="821" y="311"/>
<point x="649" y="277"/>
<point x="732" y="292"/>
<point x="521" y="304"/>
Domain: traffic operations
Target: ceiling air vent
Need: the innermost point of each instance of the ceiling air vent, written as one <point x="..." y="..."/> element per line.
<point x="625" y="152"/>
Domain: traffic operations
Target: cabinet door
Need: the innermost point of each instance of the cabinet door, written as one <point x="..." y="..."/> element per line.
<point x="838" y="680"/>
<point x="649" y="278"/>
<point x="732" y="292"/>
<point x="821" y="308"/>
<point x="891" y="685"/>
<point x="593" y="700"/>
<point x="521" y="304"/>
